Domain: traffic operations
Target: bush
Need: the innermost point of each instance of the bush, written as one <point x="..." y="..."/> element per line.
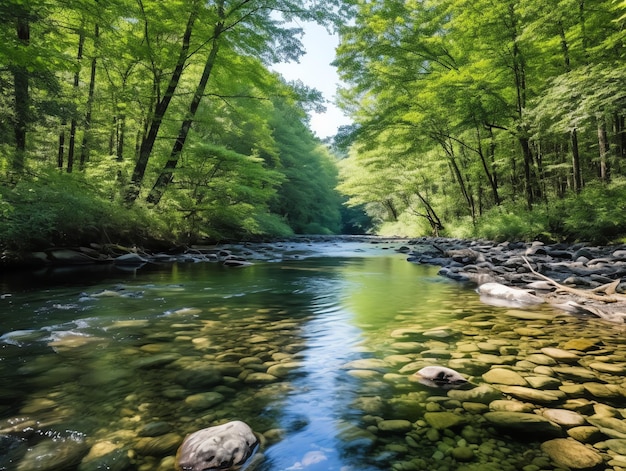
<point x="597" y="214"/>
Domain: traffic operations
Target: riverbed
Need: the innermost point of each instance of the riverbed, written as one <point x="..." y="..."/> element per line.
<point x="109" y="368"/>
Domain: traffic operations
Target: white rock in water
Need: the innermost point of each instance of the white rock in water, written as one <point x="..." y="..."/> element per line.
<point x="440" y="376"/>
<point x="226" y="446"/>
<point x="499" y="294"/>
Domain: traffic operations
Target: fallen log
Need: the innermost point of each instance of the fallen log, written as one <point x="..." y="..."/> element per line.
<point x="609" y="289"/>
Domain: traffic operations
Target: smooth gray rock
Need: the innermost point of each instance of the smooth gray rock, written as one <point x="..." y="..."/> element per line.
<point x="224" y="446"/>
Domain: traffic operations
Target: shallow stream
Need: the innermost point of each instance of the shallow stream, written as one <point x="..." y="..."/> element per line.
<point x="109" y="369"/>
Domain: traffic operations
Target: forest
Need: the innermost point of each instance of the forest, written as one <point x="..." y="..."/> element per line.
<point x="157" y="123"/>
<point x="502" y="120"/>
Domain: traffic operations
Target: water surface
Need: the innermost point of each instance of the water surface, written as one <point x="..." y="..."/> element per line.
<point x="311" y="353"/>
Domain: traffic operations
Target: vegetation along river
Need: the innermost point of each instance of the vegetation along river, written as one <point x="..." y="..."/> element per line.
<point x="110" y="369"/>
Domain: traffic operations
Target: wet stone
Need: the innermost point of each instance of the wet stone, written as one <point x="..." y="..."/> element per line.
<point x="204" y="400"/>
<point x="154" y="429"/>
<point x="610" y="426"/>
<point x="529" y="332"/>
<point x="583" y="345"/>
<point x="565" y="418"/>
<point x="561" y="355"/>
<point x="53" y="455"/>
<point x="483" y="394"/>
<point x="585" y="434"/>
<point x="533" y="395"/>
<point x="575" y="373"/>
<point x="610" y="368"/>
<point x="520" y="422"/>
<point x="541" y="359"/>
<point x="503" y="405"/>
<point x="571" y="454"/>
<point x="543" y="382"/>
<point x="444" y="420"/>
<point x="504" y="376"/>
<point x="258" y="377"/>
<point x="395" y="426"/>
<point x="600" y="390"/>
<point x="158" y="446"/>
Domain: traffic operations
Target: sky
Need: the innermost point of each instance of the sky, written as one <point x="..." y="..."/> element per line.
<point x="315" y="71"/>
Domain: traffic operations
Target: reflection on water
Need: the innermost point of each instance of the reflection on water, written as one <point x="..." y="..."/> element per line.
<point x="317" y="355"/>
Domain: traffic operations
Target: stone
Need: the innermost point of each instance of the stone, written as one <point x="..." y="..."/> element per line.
<point x="225" y="446"/>
<point x="282" y="370"/>
<point x="610" y="368"/>
<point x="560" y="355"/>
<point x="618" y="445"/>
<point x="491" y="293"/>
<point x="503" y="405"/>
<point x="158" y="446"/>
<point x="483" y="394"/>
<point x="154" y="429"/>
<point x="583" y="345"/>
<point x="504" y="376"/>
<point x="524" y="423"/>
<point x="575" y="373"/>
<point x="585" y="434"/>
<point x="444" y="420"/>
<point x="543" y="382"/>
<point x="395" y="426"/>
<point x="440" y="376"/>
<point x="533" y="395"/>
<point x="599" y="390"/>
<point x="541" y="359"/>
<point x="610" y="426"/>
<point x="204" y="400"/>
<point x="53" y="455"/>
<point x="528" y="332"/>
<point x="571" y="454"/>
<point x="259" y="377"/>
<point x="565" y="418"/>
<point x="463" y="453"/>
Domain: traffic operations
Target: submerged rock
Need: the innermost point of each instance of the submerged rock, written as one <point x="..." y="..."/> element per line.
<point x="571" y="454"/>
<point x="524" y="423"/>
<point x="53" y="455"/>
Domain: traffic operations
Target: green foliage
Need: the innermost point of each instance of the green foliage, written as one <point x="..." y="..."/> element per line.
<point x="62" y="210"/>
<point x="510" y="222"/>
<point x="597" y="214"/>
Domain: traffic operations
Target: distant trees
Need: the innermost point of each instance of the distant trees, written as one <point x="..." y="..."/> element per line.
<point x="481" y="105"/>
<point x="167" y="104"/>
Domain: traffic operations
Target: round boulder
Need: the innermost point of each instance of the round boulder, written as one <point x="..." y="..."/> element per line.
<point x="571" y="454"/>
<point x="226" y="446"/>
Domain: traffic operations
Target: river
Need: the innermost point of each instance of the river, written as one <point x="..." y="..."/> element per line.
<point x="108" y="369"/>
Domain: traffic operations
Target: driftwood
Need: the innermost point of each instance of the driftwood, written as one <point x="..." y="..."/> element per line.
<point x="608" y="289"/>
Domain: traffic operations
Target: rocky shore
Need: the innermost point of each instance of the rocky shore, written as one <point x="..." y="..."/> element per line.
<point x="579" y="279"/>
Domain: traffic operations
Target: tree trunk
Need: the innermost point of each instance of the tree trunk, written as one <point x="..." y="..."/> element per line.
<point x="576" y="174"/>
<point x="492" y="182"/>
<point x="61" y="152"/>
<point x="84" y="149"/>
<point x="603" y="147"/>
<point x="22" y="97"/>
<point x="73" y="123"/>
<point x="147" y="143"/>
<point x="528" y="173"/>
<point x="166" y="176"/>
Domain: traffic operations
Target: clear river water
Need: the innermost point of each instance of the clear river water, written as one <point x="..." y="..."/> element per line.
<point x="108" y="369"/>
